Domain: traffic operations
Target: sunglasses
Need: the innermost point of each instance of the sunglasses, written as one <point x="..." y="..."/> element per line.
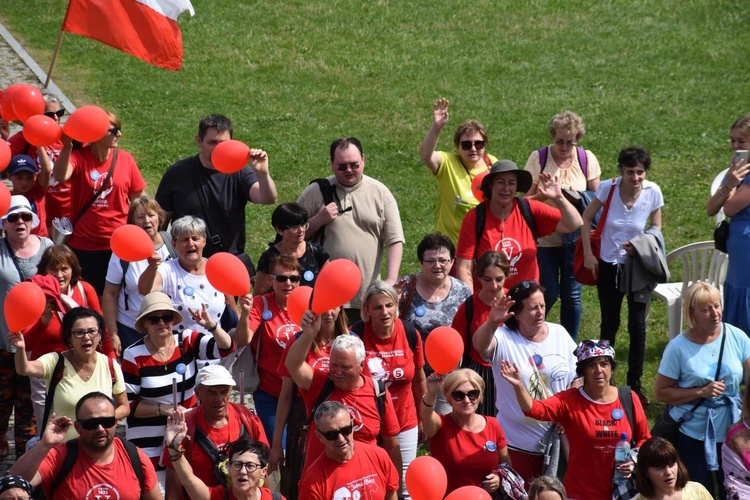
<point x="25" y="216"/>
<point x="346" y="166"/>
<point x="334" y="434"/>
<point x="79" y="334"/>
<point x="114" y="130"/>
<point x="282" y="278"/>
<point x="249" y="466"/>
<point x="52" y="114"/>
<point x="91" y="424"/>
<point x="466" y="145"/>
<point x="167" y="317"/>
<point x="460" y="395"/>
<point x="588" y="344"/>
<point x="296" y="227"/>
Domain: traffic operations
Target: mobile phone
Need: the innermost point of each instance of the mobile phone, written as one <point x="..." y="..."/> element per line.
<point x="740" y="156"/>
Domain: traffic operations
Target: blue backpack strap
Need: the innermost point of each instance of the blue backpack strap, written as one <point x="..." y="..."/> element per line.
<point x="583" y="161"/>
<point x="543" y="152"/>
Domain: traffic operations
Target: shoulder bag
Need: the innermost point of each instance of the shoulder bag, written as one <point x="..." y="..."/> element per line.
<point x="583" y="275"/>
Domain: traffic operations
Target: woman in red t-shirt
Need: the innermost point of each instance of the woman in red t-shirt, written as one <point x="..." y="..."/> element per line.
<point x="391" y="358"/>
<point x="470" y="446"/>
<point x="491" y="270"/>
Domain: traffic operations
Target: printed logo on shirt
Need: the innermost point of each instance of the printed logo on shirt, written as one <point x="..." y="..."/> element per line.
<point x="321" y="364"/>
<point x="356" y="417"/>
<point x="512" y="250"/>
<point x="101" y="201"/>
<point x="102" y="492"/>
<point x="285" y="333"/>
<point x="356" y="488"/>
<point x="379" y="368"/>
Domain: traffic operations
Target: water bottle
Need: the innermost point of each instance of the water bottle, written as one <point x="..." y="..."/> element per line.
<point x="622" y="455"/>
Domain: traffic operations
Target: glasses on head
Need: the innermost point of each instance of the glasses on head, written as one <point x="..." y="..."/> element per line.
<point x="283" y="278"/>
<point x="52" y="114"/>
<point x="91" y="424"/>
<point x="114" y="130"/>
<point x="432" y="262"/>
<point x="588" y="344"/>
<point x="334" y="434"/>
<point x="24" y="216"/>
<point x="524" y="285"/>
<point x="154" y="319"/>
<point x="466" y="145"/>
<point x="296" y="227"/>
<point x="560" y="142"/>
<point x="249" y="466"/>
<point x="91" y="332"/>
<point x="343" y="167"/>
<point x="460" y="395"/>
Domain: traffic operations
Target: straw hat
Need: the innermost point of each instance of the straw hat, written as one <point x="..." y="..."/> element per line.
<point x="153" y="302"/>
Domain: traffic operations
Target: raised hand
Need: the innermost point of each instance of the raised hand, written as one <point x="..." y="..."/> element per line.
<point x="549" y="186"/>
<point x="176" y="429"/>
<point x="246" y="303"/>
<point x="56" y="429"/>
<point x="499" y="309"/>
<point x="440" y="112"/>
<point x="259" y="161"/>
<point x="310" y="324"/>
<point x="511" y="373"/>
<point x="15" y="339"/>
<point x="434" y="381"/>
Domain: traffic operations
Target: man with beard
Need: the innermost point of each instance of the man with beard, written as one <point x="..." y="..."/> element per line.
<point x="213" y="424"/>
<point x="104" y="466"/>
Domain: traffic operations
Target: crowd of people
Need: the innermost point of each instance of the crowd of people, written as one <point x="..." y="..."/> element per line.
<point x="343" y="400"/>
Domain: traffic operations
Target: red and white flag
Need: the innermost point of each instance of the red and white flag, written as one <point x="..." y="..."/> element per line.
<point x="146" y="29"/>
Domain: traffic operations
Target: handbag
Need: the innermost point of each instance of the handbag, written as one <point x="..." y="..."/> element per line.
<point x="583" y="275"/>
<point x="667" y="427"/>
<point x="721" y="235"/>
<point x="63" y="227"/>
<point x="244" y="359"/>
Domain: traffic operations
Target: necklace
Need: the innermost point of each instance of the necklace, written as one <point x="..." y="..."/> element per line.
<point x="79" y="369"/>
<point x="162" y="352"/>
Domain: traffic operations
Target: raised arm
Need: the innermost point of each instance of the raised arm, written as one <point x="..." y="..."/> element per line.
<point x="301" y="372"/>
<point x="203" y="317"/>
<point x="484" y="338"/>
<point x="736" y="174"/>
<point x="151" y="280"/>
<point x="512" y="374"/>
<point x="24" y="366"/>
<point x="174" y="435"/>
<point x="549" y="187"/>
<point x="427" y="152"/>
<point x="63" y="170"/>
<point x="243" y="335"/>
<point x="54" y="434"/>
<point x="262" y="192"/>
<point x="431" y="422"/>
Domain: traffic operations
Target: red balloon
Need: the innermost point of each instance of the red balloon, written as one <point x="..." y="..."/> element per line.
<point x="27" y="102"/>
<point x="4" y="198"/>
<point x="230" y="156"/>
<point x="228" y="274"/>
<point x="24" y="305"/>
<point x="131" y="243"/>
<point x="41" y="131"/>
<point x="298" y="302"/>
<point x="7" y="105"/>
<point x="426" y="479"/>
<point x="338" y="282"/>
<point x="469" y="493"/>
<point x="87" y="124"/>
<point x="443" y="349"/>
<point x="5" y="155"/>
<point x="476" y="185"/>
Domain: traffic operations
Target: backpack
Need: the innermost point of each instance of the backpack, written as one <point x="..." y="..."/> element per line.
<point x="72" y="456"/>
<point x="124" y="264"/>
<point x="582" y="160"/>
<point x="523" y="205"/>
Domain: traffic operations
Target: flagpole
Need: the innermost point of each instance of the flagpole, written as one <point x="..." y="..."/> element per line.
<point x="54" y="58"/>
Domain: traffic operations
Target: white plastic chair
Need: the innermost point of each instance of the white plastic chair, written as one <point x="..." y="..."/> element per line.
<point x="714" y="186"/>
<point x="700" y="262"/>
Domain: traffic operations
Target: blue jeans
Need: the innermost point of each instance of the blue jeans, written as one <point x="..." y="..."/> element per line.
<point x="693" y="455"/>
<point x="265" y="407"/>
<point x="556" y="276"/>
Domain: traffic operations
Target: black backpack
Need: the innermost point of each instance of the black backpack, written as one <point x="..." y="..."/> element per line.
<point x="523" y="205"/>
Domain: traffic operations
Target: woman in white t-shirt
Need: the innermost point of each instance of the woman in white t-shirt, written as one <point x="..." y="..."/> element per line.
<point x="544" y="354"/>
<point x="635" y="205"/>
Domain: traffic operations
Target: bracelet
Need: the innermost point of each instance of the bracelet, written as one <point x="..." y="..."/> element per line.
<point x="158" y="409"/>
<point x="174" y="459"/>
<point x="213" y="328"/>
<point x="426" y="404"/>
<point x="725" y="190"/>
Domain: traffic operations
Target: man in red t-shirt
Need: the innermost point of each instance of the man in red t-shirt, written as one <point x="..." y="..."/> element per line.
<point x="102" y="469"/>
<point x="222" y="422"/>
<point x="345" y="471"/>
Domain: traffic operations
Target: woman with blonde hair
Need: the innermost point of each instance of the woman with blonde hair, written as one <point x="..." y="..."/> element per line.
<point x="470" y="446"/>
<point x="699" y="377"/>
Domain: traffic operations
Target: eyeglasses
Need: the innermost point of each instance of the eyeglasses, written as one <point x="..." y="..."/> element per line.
<point x="154" y="319"/>
<point x="432" y="262"/>
<point x="343" y="167"/>
<point x="460" y="395"/>
<point x="588" y="344"/>
<point x="25" y="216"/>
<point x="560" y="142"/>
<point x="52" y="114"/>
<point x="114" y="130"/>
<point x="296" y="227"/>
<point x="334" y="434"/>
<point x="91" y="424"/>
<point x="249" y="466"/>
<point x="91" y="332"/>
<point x="282" y="278"/>
<point x="466" y="145"/>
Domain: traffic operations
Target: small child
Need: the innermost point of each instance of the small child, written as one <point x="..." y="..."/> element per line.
<point x="22" y="173"/>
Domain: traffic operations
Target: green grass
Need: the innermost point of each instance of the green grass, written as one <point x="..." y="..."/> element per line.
<point x="669" y="75"/>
